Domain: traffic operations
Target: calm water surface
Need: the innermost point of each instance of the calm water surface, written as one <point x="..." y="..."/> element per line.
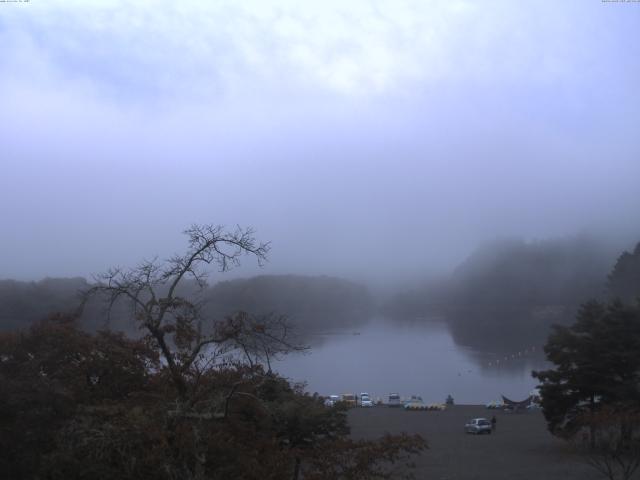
<point x="412" y="360"/>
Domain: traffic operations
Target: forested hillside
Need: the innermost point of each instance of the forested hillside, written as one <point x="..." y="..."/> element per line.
<point x="315" y="302"/>
<point x="312" y="303"/>
<point x="562" y="271"/>
<point x="509" y="292"/>
<point x="624" y="280"/>
<point x="23" y="303"/>
<point x="515" y="273"/>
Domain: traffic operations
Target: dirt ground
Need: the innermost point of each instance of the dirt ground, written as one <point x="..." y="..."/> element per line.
<point x="520" y="449"/>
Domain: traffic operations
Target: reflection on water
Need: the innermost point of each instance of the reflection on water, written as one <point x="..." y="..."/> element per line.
<point x="422" y="359"/>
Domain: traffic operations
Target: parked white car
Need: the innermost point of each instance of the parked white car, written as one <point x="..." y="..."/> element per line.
<point x="365" y="400"/>
<point x="394" y="400"/>
<point x="478" y="426"/>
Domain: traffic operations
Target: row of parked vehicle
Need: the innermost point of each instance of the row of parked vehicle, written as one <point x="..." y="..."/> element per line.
<point x="351" y="399"/>
<point x="415" y="402"/>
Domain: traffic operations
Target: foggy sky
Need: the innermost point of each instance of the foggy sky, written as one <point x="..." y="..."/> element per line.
<point x="380" y="138"/>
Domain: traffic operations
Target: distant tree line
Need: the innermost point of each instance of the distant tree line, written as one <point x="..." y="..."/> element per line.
<point x="506" y="290"/>
<point x="513" y="272"/>
<point x="548" y="272"/>
<point x="312" y="303"/>
<point x="508" y="293"/>
<point x="329" y="301"/>
<point x="25" y="303"/>
<point x="624" y="279"/>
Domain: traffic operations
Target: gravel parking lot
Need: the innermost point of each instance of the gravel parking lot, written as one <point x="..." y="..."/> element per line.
<point x="520" y="449"/>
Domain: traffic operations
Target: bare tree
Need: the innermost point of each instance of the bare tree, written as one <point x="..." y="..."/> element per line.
<point x="174" y="325"/>
<point x="192" y="346"/>
<point x="613" y="449"/>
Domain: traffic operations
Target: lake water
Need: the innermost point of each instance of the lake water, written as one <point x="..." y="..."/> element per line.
<point x="383" y="357"/>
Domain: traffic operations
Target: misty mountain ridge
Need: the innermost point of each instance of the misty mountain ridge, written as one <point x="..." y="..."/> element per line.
<point x="509" y="292"/>
<point x="508" y="288"/>
<point x="312" y="303"/>
<point x="545" y="272"/>
<point x="513" y="272"/>
<point x="330" y="300"/>
<point x="23" y="303"/>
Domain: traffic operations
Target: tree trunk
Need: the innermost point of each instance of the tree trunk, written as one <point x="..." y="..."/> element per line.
<point x="296" y="469"/>
<point x="592" y="426"/>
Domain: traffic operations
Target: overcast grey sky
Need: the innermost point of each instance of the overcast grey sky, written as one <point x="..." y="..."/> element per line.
<point x="363" y="138"/>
